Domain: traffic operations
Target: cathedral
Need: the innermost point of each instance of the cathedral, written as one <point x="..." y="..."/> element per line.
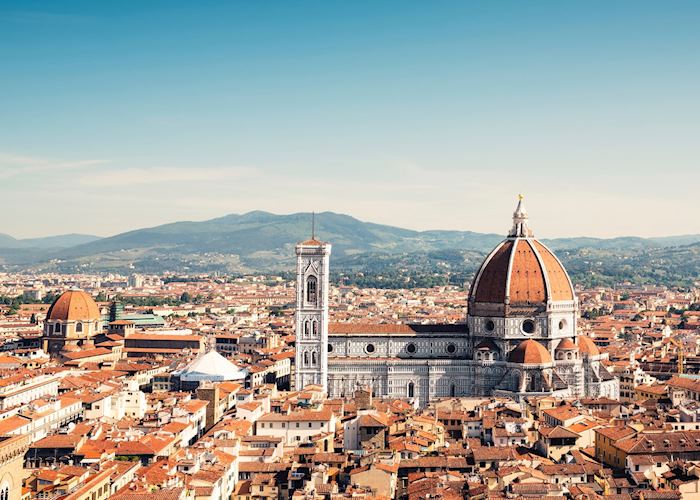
<point x="519" y="339"/>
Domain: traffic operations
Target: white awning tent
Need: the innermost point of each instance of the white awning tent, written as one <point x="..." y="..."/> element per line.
<point x="213" y="367"/>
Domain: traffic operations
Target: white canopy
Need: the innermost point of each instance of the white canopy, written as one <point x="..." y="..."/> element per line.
<point x="212" y="366"/>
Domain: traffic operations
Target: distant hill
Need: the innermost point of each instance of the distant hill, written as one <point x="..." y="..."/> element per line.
<point x="261" y="241"/>
<point x="261" y="238"/>
<point x="60" y="241"/>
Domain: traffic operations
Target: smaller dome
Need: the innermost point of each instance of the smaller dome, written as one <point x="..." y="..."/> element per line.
<point x="530" y="352"/>
<point x="587" y="346"/>
<point x="71" y="348"/>
<point x="566" y="345"/>
<point x="74" y="305"/>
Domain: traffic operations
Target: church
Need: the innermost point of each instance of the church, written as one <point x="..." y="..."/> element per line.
<point x="519" y="338"/>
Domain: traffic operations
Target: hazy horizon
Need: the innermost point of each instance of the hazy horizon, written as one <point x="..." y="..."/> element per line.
<point x="124" y="115"/>
<point x="503" y="233"/>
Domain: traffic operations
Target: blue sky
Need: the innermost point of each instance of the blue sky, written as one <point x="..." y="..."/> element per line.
<point x="428" y="115"/>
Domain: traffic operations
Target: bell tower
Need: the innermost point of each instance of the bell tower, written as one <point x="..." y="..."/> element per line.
<point x="311" y="318"/>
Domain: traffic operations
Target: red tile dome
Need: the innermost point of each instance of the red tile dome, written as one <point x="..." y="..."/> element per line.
<point x="74" y="305"/>
<point x="587" y="346"/>
<point x="566" y="345"/>
<point x="530" y="352"/>
<point x="521" y="271"/>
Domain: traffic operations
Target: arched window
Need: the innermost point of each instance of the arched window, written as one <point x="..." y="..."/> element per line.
<point x="306" y="328"/>
<point x="306" y="358"/>
<point x="78" y="327"/>
<point x="57" y="328"/>
<point x="313" y="358"/>
<point x="453" y="390"/>
<point x="314" y="328"/>
<point x="5" y="492"/>
<point x="311" y="289"/>
<point x="411" y="389"/>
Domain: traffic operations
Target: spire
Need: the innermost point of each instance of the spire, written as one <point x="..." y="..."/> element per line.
<point x="520" y="226"/>
<point x="313" y="225"/>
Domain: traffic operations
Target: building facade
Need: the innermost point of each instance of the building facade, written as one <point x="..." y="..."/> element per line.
<point x="520" y="337"/>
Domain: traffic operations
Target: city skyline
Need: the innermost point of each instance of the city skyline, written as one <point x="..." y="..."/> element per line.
<point x="419" y="116"/>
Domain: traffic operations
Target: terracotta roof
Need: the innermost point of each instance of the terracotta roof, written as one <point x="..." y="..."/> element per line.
<point x="164" y="336"/>
<point x="389" y="328"/>
<point x="566" y="344"/>
<point x="73" y="305"/>
<point x="530" y="352"/>
<point x="521" y="271"/>
<point x="87" y="353"/>
<point x="557" y="432"/>
<point x="493" y="275"/>
<point x="559" y="284"/>
<point x="587" y="346"/>
<point x="312" y="242"/>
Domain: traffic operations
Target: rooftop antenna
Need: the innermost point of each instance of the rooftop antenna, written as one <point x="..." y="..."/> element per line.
<point x="313" y="225"/>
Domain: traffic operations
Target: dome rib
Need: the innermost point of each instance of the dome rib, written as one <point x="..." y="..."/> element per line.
<point x="560" y="285"/>
<point x="527" y="283"/>
<point x="490" y="282"/>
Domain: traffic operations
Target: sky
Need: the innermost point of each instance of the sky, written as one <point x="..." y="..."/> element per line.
<point x="117" y="115"/>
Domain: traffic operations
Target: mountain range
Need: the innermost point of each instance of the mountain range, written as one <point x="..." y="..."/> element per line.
<point x="262" y="241"/>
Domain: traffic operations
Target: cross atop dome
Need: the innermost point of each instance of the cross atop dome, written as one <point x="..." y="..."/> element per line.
<point x="520" y="226"/>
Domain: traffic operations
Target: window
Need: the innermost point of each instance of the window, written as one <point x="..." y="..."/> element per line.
<point x="411" y="389"/>
<point x="57" y="328"/>
<point x="313" y="358"/>
<point x="297" y="425"/>
<point x="369" y="348"/>
<point x="490" y="326"/>
<point x="306" y="328"/>
<point x="314" y="329"/>
<point x="306" y="358"/>
<point x="78" y="327"/>
<point x="528" y="326"/>
<point x="311" y="289"/>
<point x="309" y="425"/>
<point x="451" y="348"/>
<point x="330" y="347"/>
<point x="411" y="348"/>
